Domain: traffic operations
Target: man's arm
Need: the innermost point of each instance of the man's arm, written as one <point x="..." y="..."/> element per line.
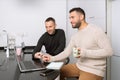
<point x="105" y="48"/>
<point x="62" y="55"/>
<point x="38" y="47"/>
<point x="62" y="43"/>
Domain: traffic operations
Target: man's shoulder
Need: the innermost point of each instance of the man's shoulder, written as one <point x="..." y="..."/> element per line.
<point x="44" y="34"/>
<point x="94" y="26"/>
<point x="96" y="29"/>
<point x="60" y="30"/>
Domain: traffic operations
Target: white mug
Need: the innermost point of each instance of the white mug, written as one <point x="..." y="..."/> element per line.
<point x="75" y="52"/>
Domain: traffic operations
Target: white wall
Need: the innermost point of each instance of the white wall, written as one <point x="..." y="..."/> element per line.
<point x="116" y="26"/>
<point x="115" y="37"/>
<point x="24" y="19"/>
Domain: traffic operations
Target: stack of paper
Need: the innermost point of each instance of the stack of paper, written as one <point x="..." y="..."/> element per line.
<point x="55" y="65"/>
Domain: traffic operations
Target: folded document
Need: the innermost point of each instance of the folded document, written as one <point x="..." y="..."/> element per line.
<point x="55" y="65"/>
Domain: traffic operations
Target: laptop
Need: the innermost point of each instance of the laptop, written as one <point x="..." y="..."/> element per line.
<point x="30" y="65"/>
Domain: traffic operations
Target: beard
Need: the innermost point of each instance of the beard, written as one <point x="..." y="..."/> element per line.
<point x="77" y="25"/>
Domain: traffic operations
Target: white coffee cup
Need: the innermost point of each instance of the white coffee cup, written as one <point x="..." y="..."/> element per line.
<point x="75" y="52"/>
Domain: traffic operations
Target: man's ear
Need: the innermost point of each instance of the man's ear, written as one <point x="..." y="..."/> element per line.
<point x="55" y="25"/>
<point x="81" y="17"/>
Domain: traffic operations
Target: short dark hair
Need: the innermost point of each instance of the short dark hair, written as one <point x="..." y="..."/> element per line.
<point x="50" y="19"/>
<point x="78" y="9"/>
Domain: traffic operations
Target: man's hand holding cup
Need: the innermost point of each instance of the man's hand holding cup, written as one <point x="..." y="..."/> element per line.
<point x="76" y="52"/>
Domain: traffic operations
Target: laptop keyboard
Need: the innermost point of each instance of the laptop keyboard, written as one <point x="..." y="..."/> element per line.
<point x="28" y="65"/>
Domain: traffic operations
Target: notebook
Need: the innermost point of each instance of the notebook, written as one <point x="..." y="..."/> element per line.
<point x="55" y="65"/>
<point x="29" y="65"/>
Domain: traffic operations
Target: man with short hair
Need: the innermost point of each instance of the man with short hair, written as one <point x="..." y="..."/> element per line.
<point x="53" y="39"/>
<point x="90" y="46"/>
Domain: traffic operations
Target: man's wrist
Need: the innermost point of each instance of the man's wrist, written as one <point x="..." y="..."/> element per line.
<point x="52" y="58"/>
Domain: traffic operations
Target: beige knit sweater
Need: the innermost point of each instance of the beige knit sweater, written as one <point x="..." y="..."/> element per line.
<point x="95" y="48"/>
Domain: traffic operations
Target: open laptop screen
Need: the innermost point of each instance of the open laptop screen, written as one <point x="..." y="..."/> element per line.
<point x="26" y="65"/>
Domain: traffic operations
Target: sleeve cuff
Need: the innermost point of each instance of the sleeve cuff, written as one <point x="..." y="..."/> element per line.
<point x="52" y="59"/>
<point x="82" y="53"/>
